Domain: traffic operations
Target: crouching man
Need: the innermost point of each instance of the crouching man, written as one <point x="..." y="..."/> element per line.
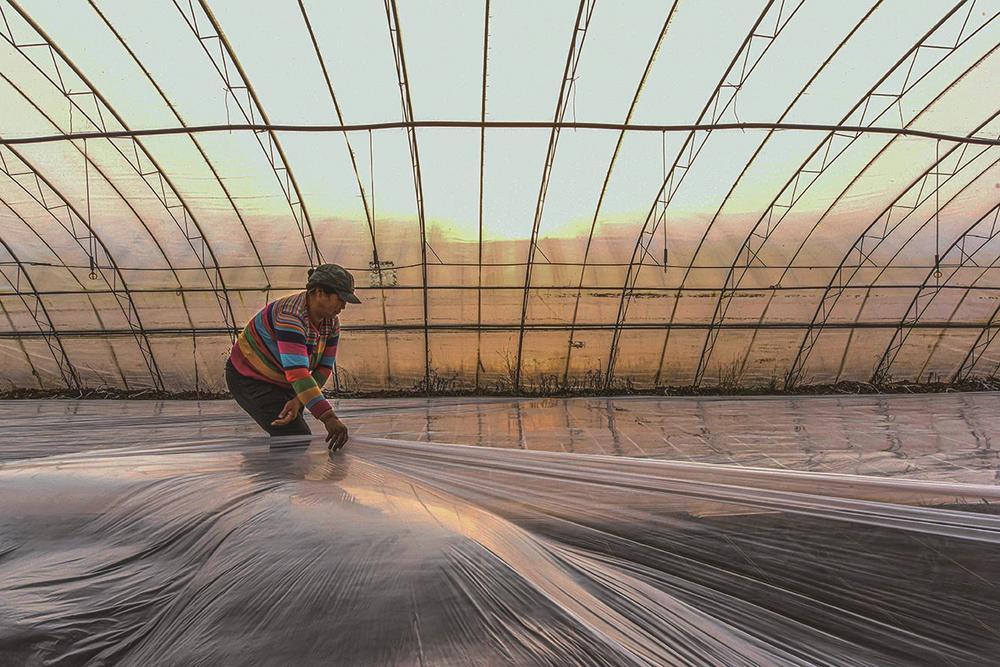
<point x="286" y="353"/>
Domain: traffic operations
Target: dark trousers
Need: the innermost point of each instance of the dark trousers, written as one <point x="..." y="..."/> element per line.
<point x="264" y="401"/>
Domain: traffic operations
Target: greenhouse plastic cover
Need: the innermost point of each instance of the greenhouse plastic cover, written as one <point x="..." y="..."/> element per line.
<point x="650" y="193"/>
<point x="807" y="531"/>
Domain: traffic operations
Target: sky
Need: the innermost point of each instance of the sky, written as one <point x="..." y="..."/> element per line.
<point x="528" y="44"/>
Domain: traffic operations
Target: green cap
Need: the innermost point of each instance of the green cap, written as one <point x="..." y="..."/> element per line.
<point x="333" y="278"/>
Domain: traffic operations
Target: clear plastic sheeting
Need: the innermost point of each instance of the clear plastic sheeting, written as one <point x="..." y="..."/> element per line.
<point x="841" y="531"/>
<point x="580" y="194"/>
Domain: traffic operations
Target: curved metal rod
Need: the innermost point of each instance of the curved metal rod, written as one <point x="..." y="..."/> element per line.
<point x="204" y="156"/>
<point x="396" y="38"/>
<point x="877" y="376"/>
<point x="607" y="177"/>
<point x="974" y="285"/>
<point x="278" y="162"/>
<point x="803" y="179"/>
<point x="89" y="163"/>
<point x="340" y="119"/>
<point x="83" y="292"/>
<point x="163" y="180"/>
<point x="317" y="256"/>
<point x="45" y="327"/>
<point x="726" y="293"/>
<point x="20" y="345"/>
<point x="128" y="308"/>
<point x="689" y="152"/>
<point x="482" y="174"/>
<point x="921" y="302"/>
<point x="369" y="217"/>
<point x="921" y="183"/>
<point x="583" y="13"/>
<point x="987" y="333"/>
<point x="836" y="282"/>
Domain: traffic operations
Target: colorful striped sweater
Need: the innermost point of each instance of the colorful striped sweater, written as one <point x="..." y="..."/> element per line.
<point x="281" y="346"/>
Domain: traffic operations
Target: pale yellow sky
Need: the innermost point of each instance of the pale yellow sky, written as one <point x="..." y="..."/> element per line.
<point x="528" y="43"/>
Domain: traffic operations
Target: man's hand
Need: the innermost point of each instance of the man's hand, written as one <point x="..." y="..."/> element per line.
<point x="336" y="432"/>
<point x="289" y="413"/>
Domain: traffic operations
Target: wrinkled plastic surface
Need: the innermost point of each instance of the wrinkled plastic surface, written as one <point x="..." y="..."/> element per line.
<point x="841" y="531"/>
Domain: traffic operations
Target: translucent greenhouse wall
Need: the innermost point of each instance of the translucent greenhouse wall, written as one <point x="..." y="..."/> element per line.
<point x="582" y="195"/>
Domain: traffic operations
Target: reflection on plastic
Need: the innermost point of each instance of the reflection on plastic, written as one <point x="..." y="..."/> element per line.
<point x="136" y="545"/>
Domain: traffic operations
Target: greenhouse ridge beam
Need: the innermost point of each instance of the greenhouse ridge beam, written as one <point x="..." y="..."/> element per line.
<point x="500" y="125"/>
<point x="620" y="265"/>
<point x="608" y="290"/>
<point x="576" y="42"/>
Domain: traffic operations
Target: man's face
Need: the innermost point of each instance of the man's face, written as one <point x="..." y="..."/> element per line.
<point x="326" y="305"/>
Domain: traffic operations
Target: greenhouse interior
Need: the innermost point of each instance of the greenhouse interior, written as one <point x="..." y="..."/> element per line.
<point x="448" y="332"/>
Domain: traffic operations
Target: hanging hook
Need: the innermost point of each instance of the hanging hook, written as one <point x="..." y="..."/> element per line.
<point x="937" y="209"/>
<point x="92" y="241"/>
<point x="663" y="157"/>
